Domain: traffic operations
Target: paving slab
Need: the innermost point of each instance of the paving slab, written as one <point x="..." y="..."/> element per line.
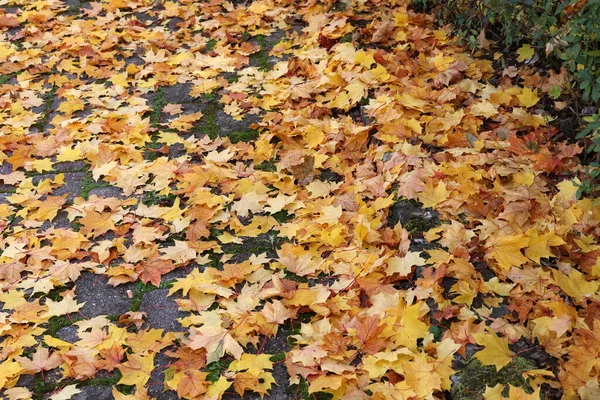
<point x="106" y="192"/>
<point x="100" y="297"/>
<point x="94" y="393"/>
<point x="162" y="310"/>
<point x="70" y="166"/>
<point x="178" y="93"/>
<point x="156" y="388"/>
<point x="68" y="334"/>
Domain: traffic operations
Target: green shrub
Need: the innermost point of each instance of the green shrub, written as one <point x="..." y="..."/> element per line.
<point x="578" y="46"/>
<point x="566" y="32"/>
<point x="591" y="140"/>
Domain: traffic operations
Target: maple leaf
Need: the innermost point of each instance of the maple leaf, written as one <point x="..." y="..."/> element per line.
<point x="525" y="52"/>
<point x="9" y="21"/>
<point x="517" y="393"/>
<point x="404" y="265"/>
<point x="192" y="384"/>
<point x="433" y="195"/>
<point x="410" y="327"/>
<point x="276" y="312"/>
<point x="383" y="31"/>
<point x="136" y="370"/>
<point x="153" y="268"/>
<point x="254" y="364"/>
<point x="65" y="306"/>
<point x="506" y="251"/>
<point x="96" y="223"/>
<point x="495" y="352"/>
<point x="422" y="376"/>
<point x="482" y="42"/>
<point x="9" y="370"/>
<point x="66" y="393"/>
<point x="215" y="340"/>
<point x="528" y="98"/>
<point x="575" y="285"/>
<point x="41" y="360"/>
<point x="245" y="381"/>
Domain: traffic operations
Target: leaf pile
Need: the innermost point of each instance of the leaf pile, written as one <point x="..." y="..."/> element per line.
<point x="285" y="233"/>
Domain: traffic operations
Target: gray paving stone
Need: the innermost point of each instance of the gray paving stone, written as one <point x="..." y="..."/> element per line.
<point x="180" y="272"/>
<point x="100" y="297"/>
<point x="60" y="221"/>
<point x="178" y="93"/>
<point x="94" y="393"/>
<point x="69" y="166"/>
<point x="172" y="24"/>
<point x="278" y="344"/>
<point x="107" y="191"/>
<point x="143" y="17"/>
<point x="26" y="381"/>
<point x="72" y="186"/>
<point x="68" y="334"/>
<point x="190" y="108"/>
<point x="162" y="311"/>
<point x="4" y="198"/>
<point x="5" y="168"/>
<point x="282" y="378"/>
<point x="228" y="125"/>
<point x="156" y="388"/>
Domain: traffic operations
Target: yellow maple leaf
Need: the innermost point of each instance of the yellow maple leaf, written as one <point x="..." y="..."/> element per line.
<point x="8" y="370"/>
<point x="422" y="375"/>
<point x="539" y="246"/>
<point x="65" y="393"/>
<point x="495" y="352"/>
<point x="252" y="363"/>
<point x="219" y="387"/>
<point x="65" y="306"/>
<point x="528" y="98"/>
<point x="575" y="285"/>
<point x="433" y="195"/>
<point x="506" y="251"/>
<point x="136" y="370"/>
<point x="403" y="265"/>
<point x="517" y="393"/>
<point x="525" y="52"/>
<point x="493" y="393"/>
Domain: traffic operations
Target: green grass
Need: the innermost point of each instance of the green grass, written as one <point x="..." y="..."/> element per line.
<point x="4" y="79"/>
<point x="211" y="44"/>
<point x="277" y="357"/>
<point x="153" y="198"/>
<point x="474" y="377"/>
<point x="41" y="387"/>
<point x="267" y="166"/>
<point x="282" y="216"/>
<point x="105" y="381"/>
<point x="347" y="38"/>
<point x="257" y="245"/>
<point x="157" y="106"/>
<point x="215" y="369"/>
<point x="247" y="135"/>
<point x="139" y="290"/>
<point x="262" y="56"/>
<point x="208" y="124"/>
<point x="58" y="322"/>
<point x="41" y="123"/>
<point x="76" y="226"/>
<point x="88" y="184"/>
